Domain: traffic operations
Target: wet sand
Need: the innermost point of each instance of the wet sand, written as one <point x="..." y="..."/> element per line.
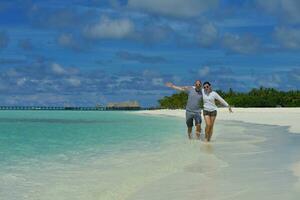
<point x="254" y="154"/>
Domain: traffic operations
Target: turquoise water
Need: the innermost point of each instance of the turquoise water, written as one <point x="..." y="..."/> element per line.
<point x="41" y="134"/>
<point x="37" y="145"/>
<point x="121" y="155"/>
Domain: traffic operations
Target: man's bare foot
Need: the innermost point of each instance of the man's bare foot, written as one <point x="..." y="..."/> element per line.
<point x="198" y="135"/>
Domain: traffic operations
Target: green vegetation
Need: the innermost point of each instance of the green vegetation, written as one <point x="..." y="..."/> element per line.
<point x="262" y="97"/>
<point x="177" y="100"/>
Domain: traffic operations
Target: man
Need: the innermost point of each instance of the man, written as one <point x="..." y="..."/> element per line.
<point x="193" y="110"/>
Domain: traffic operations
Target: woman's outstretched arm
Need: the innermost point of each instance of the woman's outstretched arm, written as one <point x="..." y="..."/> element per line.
<point x="222" y="101"/>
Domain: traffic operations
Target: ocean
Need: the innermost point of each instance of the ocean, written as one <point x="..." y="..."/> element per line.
<point x="119" y="155"/>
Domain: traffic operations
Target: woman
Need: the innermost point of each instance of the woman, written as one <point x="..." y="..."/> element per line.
<point x="210" y="108"/>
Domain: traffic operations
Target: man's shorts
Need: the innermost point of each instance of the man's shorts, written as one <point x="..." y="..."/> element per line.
<point x="191" y="116"/>
<point x="210" y="113"/>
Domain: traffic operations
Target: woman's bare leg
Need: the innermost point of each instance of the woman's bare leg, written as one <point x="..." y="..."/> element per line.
<point x="212" y="120"/>
<point x="207" y="126"/>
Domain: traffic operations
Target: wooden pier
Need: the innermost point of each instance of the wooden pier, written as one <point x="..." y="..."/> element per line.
<point x="98" y="108"/>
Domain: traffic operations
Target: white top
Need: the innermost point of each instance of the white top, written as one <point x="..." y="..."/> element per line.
<point x="209" y="100"/>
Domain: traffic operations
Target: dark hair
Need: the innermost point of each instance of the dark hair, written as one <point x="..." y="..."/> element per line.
<point x="206" y="82"/>
<point x="199" y="81"/>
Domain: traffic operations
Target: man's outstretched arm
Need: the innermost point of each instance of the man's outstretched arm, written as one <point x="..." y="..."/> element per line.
<point x="180" y="88"/>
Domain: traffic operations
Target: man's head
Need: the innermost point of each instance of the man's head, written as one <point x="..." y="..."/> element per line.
<point x="198" y="85"/>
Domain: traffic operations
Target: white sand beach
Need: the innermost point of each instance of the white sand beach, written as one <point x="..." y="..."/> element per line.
<point x="269" y="156"/>
<point x="271" y="116"/>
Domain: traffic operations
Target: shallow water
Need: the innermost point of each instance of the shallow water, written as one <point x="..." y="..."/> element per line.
<point x="119" y="155"/>
<point x="244" y="161"/>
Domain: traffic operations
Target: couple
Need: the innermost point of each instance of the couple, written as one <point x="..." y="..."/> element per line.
<point x="193" y="111"/>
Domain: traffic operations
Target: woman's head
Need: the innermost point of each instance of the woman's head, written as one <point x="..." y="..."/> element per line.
<point x="207" y="86"/>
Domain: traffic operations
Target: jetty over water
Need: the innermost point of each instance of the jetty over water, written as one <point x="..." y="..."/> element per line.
<point x="97" y="108"/>
<point x="127" y="105"/>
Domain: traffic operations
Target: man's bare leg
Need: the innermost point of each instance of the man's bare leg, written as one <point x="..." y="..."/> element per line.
<point x="190" y="129"/>
<point x="198" y="131"/>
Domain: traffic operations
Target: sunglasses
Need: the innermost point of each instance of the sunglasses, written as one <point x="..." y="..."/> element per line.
<point x="206" y="87"/>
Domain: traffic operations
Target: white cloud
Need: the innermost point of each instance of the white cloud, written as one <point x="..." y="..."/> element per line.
<point x="41" y="99"/>
<point x="65" y="39"/>
<point x="272" y="81"/>
<point x="124" y="79"/>
<point x="296" y="76"/>
<point x="157" y="81"/>
<point x="150" y="73"/>
<point x="269" y="5"/>
<point x="108" y="28"/>
<point x="240" y="44"/>
<point x="57" y="69"/>
<point x="3" y="85"/>
<point x="21" y="81"/>
<point x="176" y="79"/>
<point x="288" y="37"/>
<point x="285" y="9"/>
<point x="152" y="33"/>
<point x="208" y="35"/>
<point x="204" y="71"/>
<point x="174" y="8"/>
<point x="68" y="40"/>
<point x="12" y="73"/>
<point x="73" y="81"/>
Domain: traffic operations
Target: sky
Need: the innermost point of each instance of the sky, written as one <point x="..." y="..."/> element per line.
<point x="88" y="52"/>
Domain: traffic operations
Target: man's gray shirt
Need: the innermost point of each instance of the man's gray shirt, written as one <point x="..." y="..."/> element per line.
<point x="194" y="99"/>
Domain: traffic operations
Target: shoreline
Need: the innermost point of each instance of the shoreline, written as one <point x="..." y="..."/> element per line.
<point x="131" y="155"/>
<point x="285" y="117"/>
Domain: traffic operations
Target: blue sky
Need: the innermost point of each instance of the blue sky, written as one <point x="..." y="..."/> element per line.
<point x="82" y="53"/>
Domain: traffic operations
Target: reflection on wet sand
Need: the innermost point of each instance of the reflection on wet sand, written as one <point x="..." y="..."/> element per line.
<point x="244" y="161"/>
<point x="207" y="148"/>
